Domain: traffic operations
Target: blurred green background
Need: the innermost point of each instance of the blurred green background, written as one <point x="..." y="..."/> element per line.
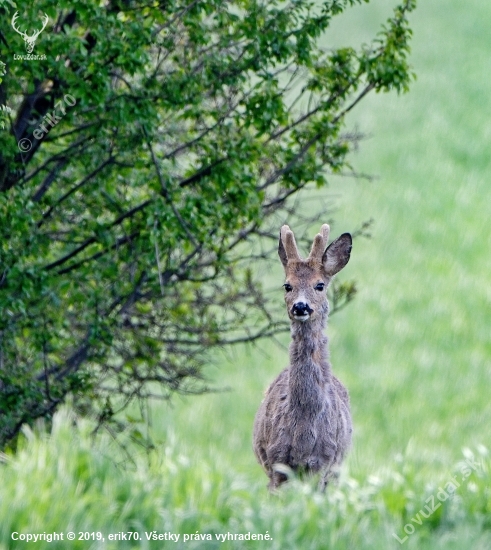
<point x="413" y="349"/>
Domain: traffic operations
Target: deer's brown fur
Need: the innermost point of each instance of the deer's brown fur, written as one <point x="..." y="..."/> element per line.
<point x="304" y="420"/>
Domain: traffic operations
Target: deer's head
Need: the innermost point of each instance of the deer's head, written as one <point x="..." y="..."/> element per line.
<point x="30" y="40"/>
<point x="307" y="280"/>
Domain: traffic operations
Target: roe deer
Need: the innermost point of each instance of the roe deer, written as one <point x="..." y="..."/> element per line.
<point x="304" y="420"/>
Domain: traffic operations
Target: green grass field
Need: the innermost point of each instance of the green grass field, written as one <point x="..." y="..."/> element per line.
<point x="413" y="349"/>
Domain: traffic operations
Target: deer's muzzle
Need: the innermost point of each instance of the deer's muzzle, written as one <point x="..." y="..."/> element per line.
<point x="301" y="311"/>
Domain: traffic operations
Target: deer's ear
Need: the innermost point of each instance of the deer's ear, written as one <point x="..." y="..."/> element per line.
<point x="282" y="252"/>
<point x="337" y="254"/>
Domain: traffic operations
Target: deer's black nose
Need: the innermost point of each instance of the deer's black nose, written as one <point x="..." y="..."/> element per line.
<point x="301" y="308"/>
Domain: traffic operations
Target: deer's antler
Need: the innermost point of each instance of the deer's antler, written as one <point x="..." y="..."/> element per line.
<point x="14" y="19"/>
<point x="35" y="34"/>
<point x="45" y="20"/>
<point x="320" y="243"/>
<point x="288" y="240"/>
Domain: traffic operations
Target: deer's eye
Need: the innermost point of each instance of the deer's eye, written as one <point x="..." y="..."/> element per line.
<point x="288" y="287"/>
<point x="319" y="286"/>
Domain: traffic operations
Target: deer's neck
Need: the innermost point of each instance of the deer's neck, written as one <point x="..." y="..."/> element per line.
<point x="310" y="371"/>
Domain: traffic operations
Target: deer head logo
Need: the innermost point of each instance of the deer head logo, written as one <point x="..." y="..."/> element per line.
<point x="29" y="40"/>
